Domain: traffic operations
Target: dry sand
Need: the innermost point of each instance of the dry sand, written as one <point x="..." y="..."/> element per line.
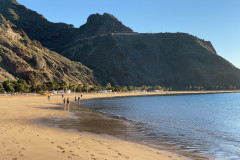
<point x="22" y="138"/>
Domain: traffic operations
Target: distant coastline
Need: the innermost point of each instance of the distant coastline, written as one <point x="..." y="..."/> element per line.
<point x="164" y="93"/>
<point x="130" y="94"/>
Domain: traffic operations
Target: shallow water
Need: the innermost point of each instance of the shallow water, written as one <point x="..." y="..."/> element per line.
<point x="197" y="126"/>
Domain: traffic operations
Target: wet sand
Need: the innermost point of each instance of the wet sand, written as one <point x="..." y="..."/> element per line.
<point x="22" y="138"/>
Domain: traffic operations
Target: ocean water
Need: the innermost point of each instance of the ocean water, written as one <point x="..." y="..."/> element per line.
<point x="203" y="126"/>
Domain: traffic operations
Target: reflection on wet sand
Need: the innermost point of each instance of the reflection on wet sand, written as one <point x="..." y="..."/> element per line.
<point x="89" y="121"/>
<point x="93" y="122"/>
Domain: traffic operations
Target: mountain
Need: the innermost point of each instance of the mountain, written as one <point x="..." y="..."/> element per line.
<point x="27" y="59"/>
<point x="118" y="55"/>
<point x="56" y="35"/>
<point x="102" y="24"/>
<point x="51" y="35"/>
<point x="169" y="59"/>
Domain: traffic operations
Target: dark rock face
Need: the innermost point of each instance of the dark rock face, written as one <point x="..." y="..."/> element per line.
<point x="118" y="55"/>
<point x="102" y="24"/>
<point x="27" y="59"/>
<point x="37" y="27"/>
<point x="56" y="35"/>
<point x="176" y="60"/>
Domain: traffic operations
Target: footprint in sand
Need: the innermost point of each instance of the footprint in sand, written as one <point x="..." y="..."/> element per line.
<point x="60" y="147"/>
<point x="75" y="155"/>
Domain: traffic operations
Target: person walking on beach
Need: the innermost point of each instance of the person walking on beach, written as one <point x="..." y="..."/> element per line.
<point x="75" y="99"/>
<point x="64" y="100"/>
<point x="49" y="98"/>
<point x="78" y="99"/>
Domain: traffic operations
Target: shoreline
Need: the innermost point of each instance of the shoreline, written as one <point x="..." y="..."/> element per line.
<point x="165" y="93"/>
<point x="21" y="138"/>
<point x="130" y="94"/>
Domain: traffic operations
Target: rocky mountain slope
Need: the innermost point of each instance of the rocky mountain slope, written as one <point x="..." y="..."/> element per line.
<point x="56" y="35"/>
<point x="27" y="59"/>
<point x="118" y="55"/>
<point x="176" y="60"/>
<point x="4" y="75"/>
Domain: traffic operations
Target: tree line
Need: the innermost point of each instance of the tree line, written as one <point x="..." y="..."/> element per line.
<point x="22" y="86"/>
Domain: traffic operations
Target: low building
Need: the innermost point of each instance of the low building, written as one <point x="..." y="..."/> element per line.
<point x="68" y="91"/>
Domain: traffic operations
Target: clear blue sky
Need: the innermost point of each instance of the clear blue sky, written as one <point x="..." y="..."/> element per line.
<point x="215" y="20"/>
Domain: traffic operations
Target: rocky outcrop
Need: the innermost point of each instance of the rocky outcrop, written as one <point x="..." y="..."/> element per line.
<point x="102" y="24"/>
<point x="56" y="35"/>
<point x="27" y="59"/>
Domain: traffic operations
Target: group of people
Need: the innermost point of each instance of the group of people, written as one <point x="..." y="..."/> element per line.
<point x="64" y="100"/>
<point x="76" y="99"/>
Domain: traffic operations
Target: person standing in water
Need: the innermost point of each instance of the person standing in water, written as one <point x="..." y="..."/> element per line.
<point x="78" y="100"/>
<point x="64" y="102"/>
<point x="68" y="104"/>
<point x="68" y="101"/>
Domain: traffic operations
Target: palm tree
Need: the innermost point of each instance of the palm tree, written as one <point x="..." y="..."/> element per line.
<point x="80" y="87"/>
<point x="35" y="83"/>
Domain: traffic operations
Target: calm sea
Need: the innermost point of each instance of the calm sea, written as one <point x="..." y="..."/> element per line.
<point x="198" y="126"/>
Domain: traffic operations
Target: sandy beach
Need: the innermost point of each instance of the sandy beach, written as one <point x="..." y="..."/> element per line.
<point x="22" y="138"/>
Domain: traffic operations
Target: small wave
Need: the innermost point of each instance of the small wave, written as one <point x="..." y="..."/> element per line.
<point x="125" y="118"/>
<point x="218" y="136"/>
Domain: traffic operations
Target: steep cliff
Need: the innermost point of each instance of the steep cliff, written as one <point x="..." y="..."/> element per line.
<point x="29" y="60"/>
